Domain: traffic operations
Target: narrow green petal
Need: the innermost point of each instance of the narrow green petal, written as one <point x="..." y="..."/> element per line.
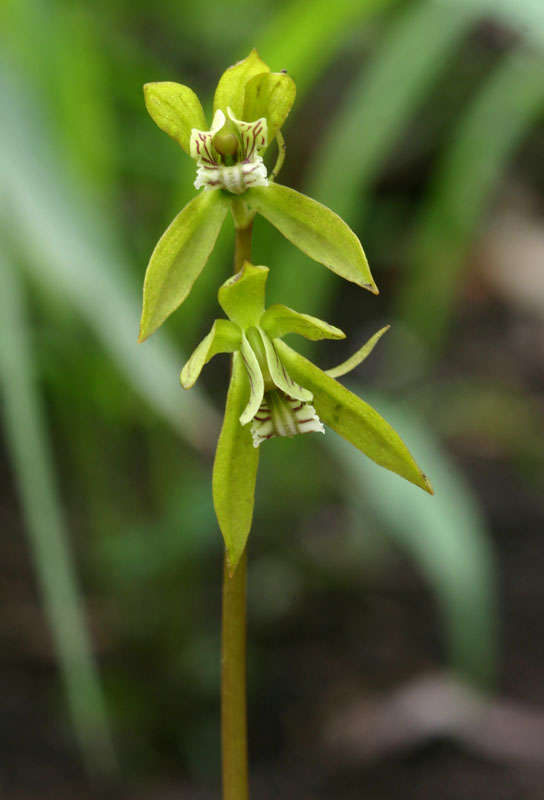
<point x="354" y="419"/>
<point x="279" y="320"/>
<point x="224" y="337"/>
<point x="279" y="374"/>
<point x="175" y="109"/>
<point x="256" y="382"/>
<point x="358" y="357"/>
<point x="179" y="257"/>
<point x="235" y="469"/>
<point x="270" y="95"/>
<point x="314" y="229"/>
<point x="242" y="295"/>
<point x="231" y="89"/>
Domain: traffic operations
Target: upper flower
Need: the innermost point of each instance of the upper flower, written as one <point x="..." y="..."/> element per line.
<point x="251" y="104"/>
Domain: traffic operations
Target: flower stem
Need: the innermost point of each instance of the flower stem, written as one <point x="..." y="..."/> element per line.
<point x="233" y="685"/>
<point x="243" y="224"/>
<point x="233" y="637"/>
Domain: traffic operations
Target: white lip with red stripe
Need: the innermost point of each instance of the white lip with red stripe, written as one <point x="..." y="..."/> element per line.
<point x="281" y="415"/>
<point x="250" y="170"/>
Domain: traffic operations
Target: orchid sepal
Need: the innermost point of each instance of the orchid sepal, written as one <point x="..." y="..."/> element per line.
<point x="224" y="337"/>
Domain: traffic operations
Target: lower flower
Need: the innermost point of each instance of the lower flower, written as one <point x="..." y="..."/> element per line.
<point x="281" y="415"/>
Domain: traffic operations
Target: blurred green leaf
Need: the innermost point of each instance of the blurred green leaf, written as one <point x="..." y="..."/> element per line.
<point x="376" y="108"/>
<point x="527" y="16"/>
<point x="64" y="57"/>
<point x="25" y="429"/>
<point x="500" y="115"/>
<point x="68" y="249"/>
<point x="304" y="37"/>
<point x="446" y="536"/>
<point x="383" y="98"/>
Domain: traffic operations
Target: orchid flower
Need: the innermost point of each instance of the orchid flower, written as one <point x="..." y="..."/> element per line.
<point x="274" y="391"/>
<point x="251" y="104"/>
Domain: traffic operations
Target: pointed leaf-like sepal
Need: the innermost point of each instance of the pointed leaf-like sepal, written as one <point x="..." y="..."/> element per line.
<point x="256" y="382"/>
<point x="354" y="419"/>
<point x="224" y="337"/>
<point x="242" y="296"/>
<point x="235" y="469"/>
<point x="180" y="256"/>
<point x="232" y="84"/>
<point x="314" y="229"/>
<point x="280" y="376"/>
<point x="270" y="95"/>
<point x="175" y="109"/>
<point x="279" y="320"/>
<point x="358" y="357"/>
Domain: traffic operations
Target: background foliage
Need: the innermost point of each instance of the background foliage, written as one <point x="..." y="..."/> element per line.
<point x="418" y="121"/>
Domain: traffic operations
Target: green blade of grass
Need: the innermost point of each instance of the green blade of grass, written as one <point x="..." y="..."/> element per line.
<point x="27" y="442"/>
<point x="500" y="115"/>
<point x="376" y="108"/>
<point x="68" y="249"/>
<point x="445" y="536"/>
<point x="304" y="37"/>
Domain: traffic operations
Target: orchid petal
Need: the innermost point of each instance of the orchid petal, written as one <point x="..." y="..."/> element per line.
<point x="242" y="295"/>
<point x="358" y="357"/>
<point x="279" y="374"/>
<point x="256" y="382"/>
<point x="270" y="95"/>
<point x="231" y="88"/>
<point x="314" y="229"/>
<point x="179" y="257"/>
<point x="279" y="320"/>
<point x="354" y="419"/>
<point x="175" y="109"/>
<point x="224" y="337"/>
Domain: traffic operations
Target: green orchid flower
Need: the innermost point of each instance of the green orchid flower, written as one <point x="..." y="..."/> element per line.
<point x="274" y="391"/>
<point x="251" y="104"/>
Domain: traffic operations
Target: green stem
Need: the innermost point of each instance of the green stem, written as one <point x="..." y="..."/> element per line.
<point x="243" y="224"/>
<point x="233" y="685"/>
<point x="233" y="641"/>
<point x="242" y="246"/>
